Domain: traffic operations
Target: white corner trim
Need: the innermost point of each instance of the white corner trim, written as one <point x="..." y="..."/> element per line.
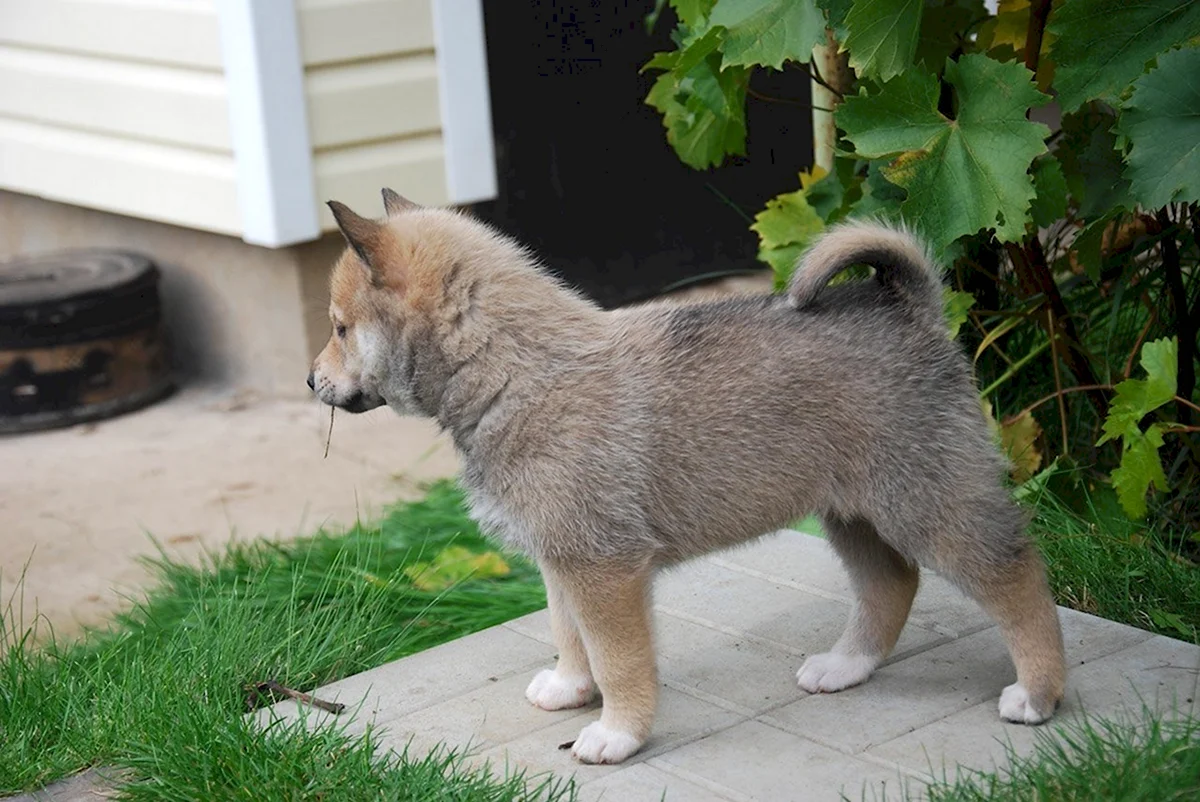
<point x="463" y="95"/>
<point x="264" y="79"/>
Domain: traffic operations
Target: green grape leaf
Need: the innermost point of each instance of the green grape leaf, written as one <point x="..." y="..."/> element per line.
<point x="769" y="32"/>
<point x="881" y="198"/>
<point x="1140" y="468"/>
<point x="882" y="36"/>
<point x="692" y="12"/>
<point x="1004" y="35"/>
<point x="1136" y="398"/>
<point x="1088" y="246"/>
<point x="956" y="305"/>
<point x="703" y="106"/>
<point x="837" y="11"/>
<point x="786" y="227"/>
<point x="1102" y="46"/>
<point x="1162" y="122"/>
<point x="1050" y="186"/>
<point x="830" y="193"/>
<point x="961" y="175"/>
<point x="1092" y="164"/>
<point x="943" y="27"/>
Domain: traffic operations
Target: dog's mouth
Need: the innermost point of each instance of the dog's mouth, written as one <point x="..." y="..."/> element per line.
<point x="360" y="402"/>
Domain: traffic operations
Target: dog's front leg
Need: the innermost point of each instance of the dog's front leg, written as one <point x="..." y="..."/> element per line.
<point x="612" y="607"/>
<point x="570" y="683"/>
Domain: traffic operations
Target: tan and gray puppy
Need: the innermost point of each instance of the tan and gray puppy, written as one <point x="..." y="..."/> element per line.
<point x="611" y="444"/>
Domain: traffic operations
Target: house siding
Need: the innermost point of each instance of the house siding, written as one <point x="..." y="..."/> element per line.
<point x="122" y="105"/>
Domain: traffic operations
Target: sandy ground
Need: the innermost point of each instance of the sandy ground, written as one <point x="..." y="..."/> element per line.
<point x="78" y="506"/>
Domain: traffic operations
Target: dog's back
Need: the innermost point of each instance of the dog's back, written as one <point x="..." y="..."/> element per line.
<point x="857" y="404"/>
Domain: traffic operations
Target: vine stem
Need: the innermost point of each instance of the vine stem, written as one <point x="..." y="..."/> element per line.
<point x="1062" y="403"/>
<point x="1039" y="11"/>
<point x="1185" y="368"/>
<point x="1091" y="387"/>
<point x="830" y="78"/>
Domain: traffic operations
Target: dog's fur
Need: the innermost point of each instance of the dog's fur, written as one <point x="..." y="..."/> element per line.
<point x="610" y="444"/>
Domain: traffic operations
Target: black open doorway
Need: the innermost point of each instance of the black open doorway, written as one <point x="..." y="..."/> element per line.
<point x="586" y="176"/>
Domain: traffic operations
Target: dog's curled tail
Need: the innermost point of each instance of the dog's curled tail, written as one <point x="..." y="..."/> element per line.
<point x="901" y="262"/>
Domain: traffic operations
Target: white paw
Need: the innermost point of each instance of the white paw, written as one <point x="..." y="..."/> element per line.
<point x="1016" y="706"/>
<point x="831" y="672"/>
<point x="598" y="744"/>
<point x="551" y="691"/>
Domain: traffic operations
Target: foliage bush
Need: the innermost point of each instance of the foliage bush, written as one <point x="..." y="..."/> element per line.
<point x="1049" y="154"/>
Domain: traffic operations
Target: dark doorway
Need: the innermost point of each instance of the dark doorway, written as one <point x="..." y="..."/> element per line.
<point x="586" y="176"/>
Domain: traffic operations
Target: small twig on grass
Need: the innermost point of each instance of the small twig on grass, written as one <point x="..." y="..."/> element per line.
<point x="329" y="437"/>
<point x="273" y="687"/>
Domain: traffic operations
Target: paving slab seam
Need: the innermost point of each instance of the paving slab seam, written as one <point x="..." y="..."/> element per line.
<point x="467" y="690"/>
<point x="770" y="721"/>
<point x="768" y="643"/>
<point x="716" y="701"/>
<point x="916" y="619"/>
<point x="671" y="746"/>
<point x="882" y="762"/>
<point x="731" y="794"/>
<point x="800" y="732"/>
<point x="547" y="640"/>
<point x="778" y="580"/>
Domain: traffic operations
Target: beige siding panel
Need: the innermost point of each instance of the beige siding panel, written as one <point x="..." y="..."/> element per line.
<point x="354" y="176"/>
<point x="142" y="101"/>
<point x="178" y="32"/>
<point x="155" y="182"/>
<point x="372" y="101"/>
<point x="353" y="30"/>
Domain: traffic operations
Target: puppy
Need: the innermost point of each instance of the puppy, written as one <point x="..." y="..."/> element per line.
<point x="610" y="444"/>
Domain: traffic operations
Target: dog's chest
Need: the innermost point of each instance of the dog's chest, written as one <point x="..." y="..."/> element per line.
<point x="497" y="518"/>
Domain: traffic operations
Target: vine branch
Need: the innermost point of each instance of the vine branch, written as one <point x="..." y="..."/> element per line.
<point x="1186" y="368"/>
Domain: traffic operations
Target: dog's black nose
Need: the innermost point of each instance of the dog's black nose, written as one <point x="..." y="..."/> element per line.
<point x="312" y="385"/>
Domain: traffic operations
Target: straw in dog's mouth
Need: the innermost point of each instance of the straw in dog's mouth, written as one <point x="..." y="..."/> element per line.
<point x="329" y="437"/>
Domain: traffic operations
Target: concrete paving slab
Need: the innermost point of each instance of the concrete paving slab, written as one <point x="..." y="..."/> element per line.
<point x="645" y="783"/>
<point x="939" y="605"/>
<point x="1160" y="672"/>
<point x="787" y="618"/>
<point x="732" y="724"/>
<point x="903" y="696"/>
<point x="453" y="670"/>
<point x="681" y="719"/>
<point x="762" y="762"/>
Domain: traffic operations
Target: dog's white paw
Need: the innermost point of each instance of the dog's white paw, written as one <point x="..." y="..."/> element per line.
<point x="832" y="672"/>
<point x="598" y="744"/>
<point x="1017" y="707"/>
<point x="551" y="691"/>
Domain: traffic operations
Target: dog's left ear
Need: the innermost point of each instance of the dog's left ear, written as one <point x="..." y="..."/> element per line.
<point x="394" y="203"/>
<point x="362" y="234"/>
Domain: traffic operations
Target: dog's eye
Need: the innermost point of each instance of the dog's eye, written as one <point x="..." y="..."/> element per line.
<point x="341" y="330"/>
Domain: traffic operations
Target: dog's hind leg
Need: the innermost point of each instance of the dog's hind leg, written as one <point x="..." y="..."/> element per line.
<point x="570" y="683"/>
<point x="612" y="607"/>
<point x="1013" y="589"/>
<point x="884" y="586"/>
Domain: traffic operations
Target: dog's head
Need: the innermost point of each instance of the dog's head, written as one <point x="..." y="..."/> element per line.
<point x="370" y="291"/>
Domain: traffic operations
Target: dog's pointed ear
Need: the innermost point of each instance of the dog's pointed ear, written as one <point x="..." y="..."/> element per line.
<point x="395" y="203"/>
<point x="361" y="233"/>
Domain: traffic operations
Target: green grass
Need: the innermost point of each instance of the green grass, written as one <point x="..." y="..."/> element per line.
<point x="1138" y="760"/>
<point x="162" y="693"/>
<point x="1102" y="563"/>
